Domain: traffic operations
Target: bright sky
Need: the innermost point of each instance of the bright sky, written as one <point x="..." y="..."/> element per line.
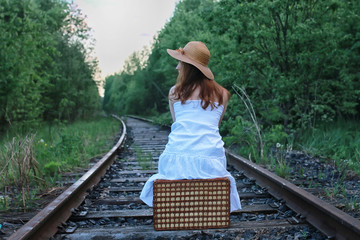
<point x="123" y="26"/>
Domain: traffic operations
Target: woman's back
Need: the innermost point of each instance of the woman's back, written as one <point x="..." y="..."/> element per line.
<point x="195" y="130"/>
<point x="192" y="111"/>
<point x="196" y="97"/>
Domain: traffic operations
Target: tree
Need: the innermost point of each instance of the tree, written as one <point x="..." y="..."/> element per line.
<point x="45" y="69"/>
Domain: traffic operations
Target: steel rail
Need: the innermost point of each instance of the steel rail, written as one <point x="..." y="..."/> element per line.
<point x="334" y="223"/>
<point x="45" y="223"/>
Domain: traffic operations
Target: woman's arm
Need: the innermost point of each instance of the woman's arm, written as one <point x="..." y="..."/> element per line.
<point x="226" y="97"/>
<point x="171" y="102"/>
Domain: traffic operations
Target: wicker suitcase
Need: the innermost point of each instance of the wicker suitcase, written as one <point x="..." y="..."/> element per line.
<point x="191" y="204"/>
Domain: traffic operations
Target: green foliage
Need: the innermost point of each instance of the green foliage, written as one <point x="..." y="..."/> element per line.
<point x="244" y="135"/>
<point x="276" y="134"/>
<point x="45" y="71"/>
<point x="164" y="119"/>
<point x="289" y="59"/>
<point x="51" y="168"/>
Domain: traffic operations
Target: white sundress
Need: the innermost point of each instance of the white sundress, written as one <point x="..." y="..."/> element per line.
<point x="194" y="150"/>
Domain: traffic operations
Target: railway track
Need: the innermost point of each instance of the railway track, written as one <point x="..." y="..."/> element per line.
<point x="272" y="207"/>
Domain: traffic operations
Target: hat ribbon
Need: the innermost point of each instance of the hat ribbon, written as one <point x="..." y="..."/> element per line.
<point x="181" y="50"/>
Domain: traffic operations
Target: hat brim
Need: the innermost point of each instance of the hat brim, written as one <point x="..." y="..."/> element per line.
<point x="181" y="57"/>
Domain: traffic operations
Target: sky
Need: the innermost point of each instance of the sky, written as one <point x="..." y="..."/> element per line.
<point x="121" y="27"/>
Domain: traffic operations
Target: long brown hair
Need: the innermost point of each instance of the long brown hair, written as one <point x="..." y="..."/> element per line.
<point x="189" y="79"/>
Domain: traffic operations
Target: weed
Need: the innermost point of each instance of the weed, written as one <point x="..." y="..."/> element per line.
<point x="343" y="189"/>
<point x="4" y="201"/>
<point x="282" y="168"/>
<point x="301" y="171"/>
<point x="53" y="180"/>
<point x="353" y="204"/>
<point x="272" y="162"/>
<point x="311" y="184"/>
<point x="145" y="159"/>
<point x="243" y="135"/>
<point x="320" y="175"/>
<point x="304" y="234"/>
<point x="20" y="167"/>
<point x="51" y="168"/>
<point x="336" y="190"/>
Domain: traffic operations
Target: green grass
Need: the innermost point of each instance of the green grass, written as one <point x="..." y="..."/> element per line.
<point x="70" y="146"/>
<point x="36" y="160"/>
<point x="338" y="141"/>
<point x="62" y="147"/>
<point x="145" y="159"/>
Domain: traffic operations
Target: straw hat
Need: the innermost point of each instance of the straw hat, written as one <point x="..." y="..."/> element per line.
<point x="195" y="53"/>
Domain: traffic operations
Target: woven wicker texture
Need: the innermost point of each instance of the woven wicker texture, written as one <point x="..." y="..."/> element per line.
<point x="191" y="204"/>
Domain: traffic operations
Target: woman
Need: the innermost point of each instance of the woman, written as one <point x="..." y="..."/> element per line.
<point x="197" y="104"/>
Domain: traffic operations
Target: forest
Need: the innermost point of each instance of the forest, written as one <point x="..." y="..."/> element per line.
<point x="49" y="100"/>
<point x="46" y="68"/>
<point x="296" y="62"/>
